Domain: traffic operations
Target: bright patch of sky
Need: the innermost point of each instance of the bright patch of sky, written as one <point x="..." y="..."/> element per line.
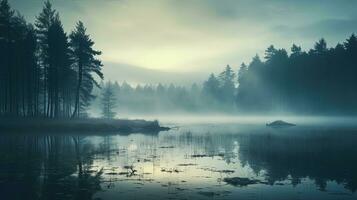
<point x="200" y="35"/>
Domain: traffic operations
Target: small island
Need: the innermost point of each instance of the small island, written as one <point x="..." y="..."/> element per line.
<point x="280" y="123"/>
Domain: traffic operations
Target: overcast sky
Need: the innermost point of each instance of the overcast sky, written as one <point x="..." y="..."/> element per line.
<point x="192" y="36"/>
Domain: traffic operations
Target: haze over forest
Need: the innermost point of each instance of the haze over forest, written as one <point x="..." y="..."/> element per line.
<point x="238" y="59"/>
<point x="158" y="41"/>
<point x="178" y="99"/>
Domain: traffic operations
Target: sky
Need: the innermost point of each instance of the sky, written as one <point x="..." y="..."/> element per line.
<point x="182" y="41"/>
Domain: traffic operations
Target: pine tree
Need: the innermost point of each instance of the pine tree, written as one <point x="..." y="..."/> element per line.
<point x="227" y="85"/>
<point x="211" y="87"/>
<point x="59" y="71"/>
<point x="320" y="47"/>
<point x="108" y="101"/>
<point x="242" y="72"/>
<point x="295" y="51"/>
<point x="6" y="16"/>
<point x="32" y="73"/>
<point x="43" y="24"/>
<point x="86" y="64"/>
<point x="36" y="72"/>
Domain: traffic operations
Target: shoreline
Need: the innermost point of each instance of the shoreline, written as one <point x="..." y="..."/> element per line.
<point x="22" y="125"/>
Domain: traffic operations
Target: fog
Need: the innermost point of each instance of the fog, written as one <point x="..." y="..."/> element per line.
<point x="213" y="57"/>
<point x="179" y="105"/>
<point x="219" y="118"/>
<point x="178" y="99"/>
<point x="319" y="81"/>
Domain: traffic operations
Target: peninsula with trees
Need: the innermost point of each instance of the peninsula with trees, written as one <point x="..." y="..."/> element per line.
<point x="47" y="76"/>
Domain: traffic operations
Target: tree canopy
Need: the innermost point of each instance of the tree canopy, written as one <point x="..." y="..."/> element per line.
<point x="40" y="65"/>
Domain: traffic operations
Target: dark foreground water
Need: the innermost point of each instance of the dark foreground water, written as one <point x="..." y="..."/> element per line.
<point x="197" y="161"/>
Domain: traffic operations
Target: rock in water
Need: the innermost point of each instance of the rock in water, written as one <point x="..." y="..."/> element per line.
<point x="238" y="181"/>
<point x="280" y="123"/>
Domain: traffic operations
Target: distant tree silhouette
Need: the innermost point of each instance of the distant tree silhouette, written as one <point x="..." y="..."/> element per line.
<point x="109" y="101"/>
<point x="227" y="85"/>
<point x="211" y="87"/>
<point x="242" y="72"/>
<point x="321" y="80"/>
<point x="295" y="51"/>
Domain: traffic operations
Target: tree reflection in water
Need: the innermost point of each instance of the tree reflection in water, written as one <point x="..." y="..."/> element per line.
<point x="72" y="167"/>
<point x="322" y="156"/>
<point x="46" y="167"/>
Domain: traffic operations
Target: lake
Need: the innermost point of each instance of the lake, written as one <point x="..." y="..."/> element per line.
<point x="200" y="160"/>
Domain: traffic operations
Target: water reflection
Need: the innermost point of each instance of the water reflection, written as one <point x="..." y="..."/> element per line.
<point x="196" y="161"/>
<point x="327" y="155"/>
<point x="46" y="167"/>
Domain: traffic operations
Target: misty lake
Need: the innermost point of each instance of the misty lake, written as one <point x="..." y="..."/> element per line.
<point x="200" y="160"/>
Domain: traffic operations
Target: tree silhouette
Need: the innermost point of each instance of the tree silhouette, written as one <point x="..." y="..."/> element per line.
<point x="86" y="64"/>
<point x="6" y="16"/>
<point x="39" y="67"/>
<point x="43" y="24"/>
<point x="109" y="101"/>
<point x="59" y="66"/>
<point x="211" y="87"/>
<point x="227" y="85"/>
<point x="321" y="80"/>
<point x="46" y="73"/>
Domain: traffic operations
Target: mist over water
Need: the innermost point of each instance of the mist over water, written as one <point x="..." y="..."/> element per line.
<point x="248" y="119"/>
<point x="178" y="100"/>
<point x="199" y="159"/>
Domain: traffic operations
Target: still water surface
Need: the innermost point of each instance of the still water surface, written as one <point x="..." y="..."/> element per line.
<point x="193" y="161"/>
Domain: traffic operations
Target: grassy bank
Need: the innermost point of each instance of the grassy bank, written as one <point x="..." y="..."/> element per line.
<point x="79" y="125"/>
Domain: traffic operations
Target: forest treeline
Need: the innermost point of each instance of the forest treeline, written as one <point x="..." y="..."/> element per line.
<point x="45" y="72"/>
<point x="168" y="98"/>
<point x="321" y="80"/>
<point x="147" y="98"/>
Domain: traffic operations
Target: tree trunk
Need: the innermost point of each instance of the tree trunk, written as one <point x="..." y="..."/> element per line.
<point x="76" y="107"/>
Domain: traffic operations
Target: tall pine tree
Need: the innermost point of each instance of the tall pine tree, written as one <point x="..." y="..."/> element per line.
<point x="86" y="65"/>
